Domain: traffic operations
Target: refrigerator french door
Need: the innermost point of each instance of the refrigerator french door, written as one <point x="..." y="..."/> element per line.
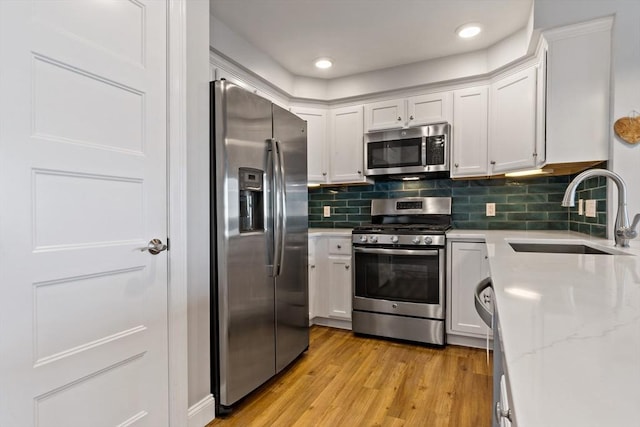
<point x="259" y="222"/>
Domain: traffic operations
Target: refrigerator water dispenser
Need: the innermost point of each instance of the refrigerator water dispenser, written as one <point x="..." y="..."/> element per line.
<point x="251" y="196"/>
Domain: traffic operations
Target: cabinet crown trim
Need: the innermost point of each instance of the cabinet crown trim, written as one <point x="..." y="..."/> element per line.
<point x="582" y="28"/>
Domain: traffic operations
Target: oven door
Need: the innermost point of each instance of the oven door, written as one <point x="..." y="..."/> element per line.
<point x="407" y="282"/>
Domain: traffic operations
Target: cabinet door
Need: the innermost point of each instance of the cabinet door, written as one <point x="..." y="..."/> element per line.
<point x="317" y="146"/>
<point x="469" y="143"/>
<point x="381" y="115"/>
<point x="468" y="267"/>
<point x="512" y="122"/>
<point x="313" y="279"/>
<point x="340" y="287"/>
<point x="319" y="305"/>
<point x="347" y="145"/>
<point x="431" y="108"/>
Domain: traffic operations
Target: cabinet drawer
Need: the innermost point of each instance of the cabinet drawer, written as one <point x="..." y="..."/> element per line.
<point x="340" y="246"/>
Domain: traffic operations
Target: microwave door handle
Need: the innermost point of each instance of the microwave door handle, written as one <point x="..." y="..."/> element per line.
<point x="424" y="151"/>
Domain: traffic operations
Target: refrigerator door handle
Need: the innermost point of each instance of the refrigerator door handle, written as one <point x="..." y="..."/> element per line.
<point x="276" y="203"/>
<point x="282" y="212"/>
<point x="270" y="223"/>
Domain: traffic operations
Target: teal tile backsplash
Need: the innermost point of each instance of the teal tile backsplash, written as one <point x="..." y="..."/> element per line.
<point x="531" y="204"/>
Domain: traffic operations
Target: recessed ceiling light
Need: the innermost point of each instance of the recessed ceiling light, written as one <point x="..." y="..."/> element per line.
<point x="468" y="30"/>
<point x="323" y="63"/>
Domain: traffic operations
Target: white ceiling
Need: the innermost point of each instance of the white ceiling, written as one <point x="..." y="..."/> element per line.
<point x="366" y="35"/>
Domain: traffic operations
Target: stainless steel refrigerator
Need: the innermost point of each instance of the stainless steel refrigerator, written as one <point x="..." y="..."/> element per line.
<point x="260" y="313"/>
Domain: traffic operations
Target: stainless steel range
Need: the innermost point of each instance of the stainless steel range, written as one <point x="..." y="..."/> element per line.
<point x="399" y="269"/>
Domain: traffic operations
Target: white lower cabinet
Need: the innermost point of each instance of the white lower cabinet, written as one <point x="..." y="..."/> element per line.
<point x="340" y="287"/>
<point x="330" y="281"/>
<point x="467" y="265"/>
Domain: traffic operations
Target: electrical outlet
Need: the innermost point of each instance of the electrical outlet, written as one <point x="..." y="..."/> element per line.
<point x="327" y="211"/>
<point x="491" y="209"/>
<point x="581" y="207"/>
<point x="590" y="208"/>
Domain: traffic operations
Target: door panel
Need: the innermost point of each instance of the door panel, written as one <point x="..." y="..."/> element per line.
<point x="83" y="312"/>
<point x="245" y="287"/>
<point x="292" y="297"/>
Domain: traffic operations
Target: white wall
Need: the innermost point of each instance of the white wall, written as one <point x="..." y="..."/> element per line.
<point x="625" y="93"/>
<point x="199" y="370"/>
<point x="231" y="45"/>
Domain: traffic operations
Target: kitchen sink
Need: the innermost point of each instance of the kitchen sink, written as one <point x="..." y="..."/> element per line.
<point x="558" y="248"/>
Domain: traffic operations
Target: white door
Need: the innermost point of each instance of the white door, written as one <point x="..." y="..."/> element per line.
<point x="391" y="114"/>
<point x="83" y="312"/>
<point x="512" y="122"/>
<point x="469" y="266"/>
<point x="470" y="144"/>
<point x="317" y="145"/>
<point x="347" y="145"/>
<point x="431" y="108"/>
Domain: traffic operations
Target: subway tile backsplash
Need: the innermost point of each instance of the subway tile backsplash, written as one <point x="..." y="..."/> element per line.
<point x="525" y="204"/>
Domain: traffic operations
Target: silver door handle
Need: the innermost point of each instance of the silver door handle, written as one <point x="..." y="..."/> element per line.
<point x="483" y="312"/>
<point x="154" y="247"/>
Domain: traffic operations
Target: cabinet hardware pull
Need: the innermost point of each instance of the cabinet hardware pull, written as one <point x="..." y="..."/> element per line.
<point x="399" y="118"/>
<point x="339" y="246"/>
<point x="346" y="267"/>
<point x="359" y="172"/>
<point x="324" y="174"/>
<point x="456" y="165"/>
<point x="410" y="117"/>
<point x="493" y="162"/>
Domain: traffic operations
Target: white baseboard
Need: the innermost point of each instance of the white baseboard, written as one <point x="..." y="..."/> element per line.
<point x="203" y="412"/>
<point x="469" y="341"/>
<point x="333" y="323"/>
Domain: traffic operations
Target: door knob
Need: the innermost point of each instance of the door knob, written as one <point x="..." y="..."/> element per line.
<point x="154" y="247"/>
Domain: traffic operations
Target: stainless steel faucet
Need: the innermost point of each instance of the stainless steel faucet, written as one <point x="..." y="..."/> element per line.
<point x="624" y="232"/>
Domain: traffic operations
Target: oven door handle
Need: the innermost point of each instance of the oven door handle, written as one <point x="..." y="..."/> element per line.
<point x="383" y="251"/>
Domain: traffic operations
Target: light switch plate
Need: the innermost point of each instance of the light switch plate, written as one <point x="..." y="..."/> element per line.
<point x="581" y="207"/>
<point x="327" y="211"/>
<point x="491" y="209"/>
<point x="590" y="208"/>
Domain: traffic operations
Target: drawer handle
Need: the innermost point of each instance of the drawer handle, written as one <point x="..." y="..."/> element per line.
<point x="339" y="246"/>
<point x="346" y="267"/>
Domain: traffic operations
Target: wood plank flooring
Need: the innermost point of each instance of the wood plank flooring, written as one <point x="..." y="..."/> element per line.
<point x="348" y="380"/>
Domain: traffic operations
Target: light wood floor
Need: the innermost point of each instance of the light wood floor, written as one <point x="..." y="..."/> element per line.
<point x="347" y="380"/>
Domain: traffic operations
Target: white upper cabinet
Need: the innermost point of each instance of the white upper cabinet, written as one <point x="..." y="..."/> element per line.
<point x="512" y="122"/>
<point x="469" y="132"/>
<point x="391" y="114"/>
<point x="408" y="112"/>
<point x="317" y="165"/>
<point x="430" y="108"/>
<point x="578" y="85"/>
<point x="346" y="155"/>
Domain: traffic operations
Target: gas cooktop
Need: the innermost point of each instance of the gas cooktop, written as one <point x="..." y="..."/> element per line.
<point x="403" y="228"/>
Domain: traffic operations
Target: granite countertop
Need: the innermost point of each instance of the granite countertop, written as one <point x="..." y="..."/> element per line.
<point x="570" y="328"/>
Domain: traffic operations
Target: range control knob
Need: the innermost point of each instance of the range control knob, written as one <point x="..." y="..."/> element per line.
<point x="394" y="239"/>
<point x="428" y="240"/>
<point x="363" y="238"/>
<point x="373" y="239"/>
<point x="416" y="240"/>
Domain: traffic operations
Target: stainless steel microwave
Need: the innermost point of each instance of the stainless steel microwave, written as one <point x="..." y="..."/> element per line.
<point x="418" y="150"/>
